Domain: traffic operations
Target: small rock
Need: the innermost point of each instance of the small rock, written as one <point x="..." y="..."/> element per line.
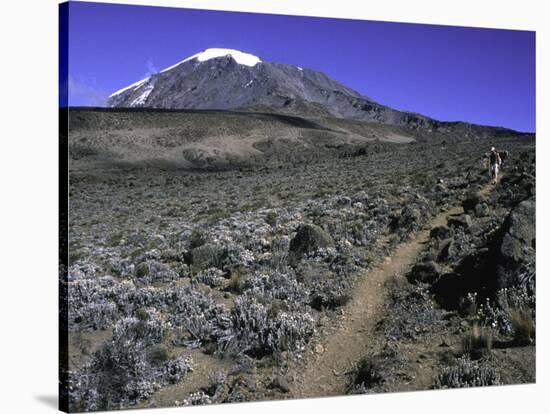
<point x="481" y="210"/>
<point x="447" y="250"/>
<point x="281" y="383"/>
<point x="464" y="221"/>
<point x="441" y="232"/>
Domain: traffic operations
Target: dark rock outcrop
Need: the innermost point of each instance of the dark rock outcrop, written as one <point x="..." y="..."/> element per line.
<point x="471" y="201"/>
<point x="426" y="272"/>
<point x="309" y="238"/>
<point x="448" y="290"/>
<point x="517" y="246"/>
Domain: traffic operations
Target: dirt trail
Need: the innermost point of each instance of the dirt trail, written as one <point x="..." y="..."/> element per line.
<point x="335" y="352"/>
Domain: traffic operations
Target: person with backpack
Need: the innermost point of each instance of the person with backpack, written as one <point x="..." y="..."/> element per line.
<point x="494" y="164"/>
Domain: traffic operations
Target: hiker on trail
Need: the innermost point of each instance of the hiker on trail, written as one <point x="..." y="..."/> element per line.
<point x="494" y="164"/>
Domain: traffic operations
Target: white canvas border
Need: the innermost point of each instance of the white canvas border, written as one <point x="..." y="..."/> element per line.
<point x="29" y="201"/>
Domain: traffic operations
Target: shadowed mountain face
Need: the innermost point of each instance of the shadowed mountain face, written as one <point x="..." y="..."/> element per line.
<point x="224" y="79"/>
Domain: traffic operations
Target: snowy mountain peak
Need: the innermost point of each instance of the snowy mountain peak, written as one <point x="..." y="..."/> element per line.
<point x="240" y="57"/>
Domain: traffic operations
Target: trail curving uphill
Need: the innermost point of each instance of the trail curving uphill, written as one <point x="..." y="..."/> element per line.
<point x="323" y="373"/>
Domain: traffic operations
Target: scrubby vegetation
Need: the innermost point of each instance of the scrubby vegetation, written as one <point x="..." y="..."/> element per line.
<point x="466" y="373"/>
<point x="243" y="265"/>
<point x="471" y="296"/>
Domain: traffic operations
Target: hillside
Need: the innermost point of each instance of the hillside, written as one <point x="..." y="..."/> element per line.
<point x="212" y="139"/>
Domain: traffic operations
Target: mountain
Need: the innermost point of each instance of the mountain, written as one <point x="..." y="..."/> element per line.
<point x="230" y="79"/>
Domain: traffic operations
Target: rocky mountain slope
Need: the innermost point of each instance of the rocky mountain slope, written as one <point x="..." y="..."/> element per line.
<point x="230" y="79"/>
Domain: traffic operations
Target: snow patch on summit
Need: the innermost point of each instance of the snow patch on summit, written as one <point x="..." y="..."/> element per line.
<point x="241" y="58"/>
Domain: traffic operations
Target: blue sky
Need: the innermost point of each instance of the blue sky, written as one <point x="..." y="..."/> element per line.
<point x="484" y="76"/>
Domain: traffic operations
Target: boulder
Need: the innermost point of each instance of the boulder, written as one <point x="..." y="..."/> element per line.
<point x="481" y="210"/>
<point x="309" y="238"/>
<point x="448" y="289"/>
<point x="425" y="272"/>
<point x="471" y="201"/>
<point x="517" y="246"/>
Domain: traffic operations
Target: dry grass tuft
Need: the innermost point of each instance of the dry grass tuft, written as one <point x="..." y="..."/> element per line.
<point x="523" y="325"/>
<point x="478" y="342"/>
